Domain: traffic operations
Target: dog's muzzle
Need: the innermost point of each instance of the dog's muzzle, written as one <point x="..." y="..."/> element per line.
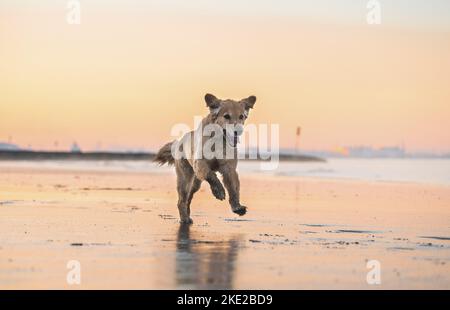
<point x="232" y="135"/>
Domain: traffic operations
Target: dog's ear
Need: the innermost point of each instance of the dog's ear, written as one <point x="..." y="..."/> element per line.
<point x="212" y="103"/>
<point x="249" y="102"/>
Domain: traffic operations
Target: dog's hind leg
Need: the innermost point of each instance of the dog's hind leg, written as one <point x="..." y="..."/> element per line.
<point x="195" y="186"/>
<point x="185" y="177"/>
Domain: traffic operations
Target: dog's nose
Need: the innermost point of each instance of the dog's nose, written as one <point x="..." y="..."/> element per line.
<point x="238" y="129"/>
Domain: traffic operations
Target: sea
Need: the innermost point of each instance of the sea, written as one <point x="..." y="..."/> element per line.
<point x="425" y="171"/>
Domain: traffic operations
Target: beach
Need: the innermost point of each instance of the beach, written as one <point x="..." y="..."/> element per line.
<point x="299" y="233"/>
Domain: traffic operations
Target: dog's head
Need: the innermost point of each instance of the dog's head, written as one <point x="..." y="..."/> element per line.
<point x="230" y="115"/>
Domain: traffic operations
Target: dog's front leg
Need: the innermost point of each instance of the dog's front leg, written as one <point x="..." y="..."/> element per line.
<point x="231" y="181"/>
<point x="203" y="172"/>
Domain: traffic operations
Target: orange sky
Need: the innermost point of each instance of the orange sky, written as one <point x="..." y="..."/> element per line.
<point x="127" y="74"/>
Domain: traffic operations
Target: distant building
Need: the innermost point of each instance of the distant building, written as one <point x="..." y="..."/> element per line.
<point x="75" y="148"/>
<point x="391" y="152"/>
<point x="8" y="147"/>
<point x="369" y="152"/>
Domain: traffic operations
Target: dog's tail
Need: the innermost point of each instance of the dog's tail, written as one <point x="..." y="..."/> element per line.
<point x="164" y="155"/>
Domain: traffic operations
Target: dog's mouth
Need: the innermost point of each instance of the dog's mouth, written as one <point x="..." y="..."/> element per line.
<point x="232" y="139"/>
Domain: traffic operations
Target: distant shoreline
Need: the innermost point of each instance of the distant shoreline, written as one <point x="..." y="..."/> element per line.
<point x="48" y="155"/>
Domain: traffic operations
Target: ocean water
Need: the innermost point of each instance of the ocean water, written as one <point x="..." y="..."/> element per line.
<point x="430" y="171"/>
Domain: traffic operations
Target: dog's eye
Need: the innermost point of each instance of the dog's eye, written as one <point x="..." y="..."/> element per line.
<point x="227" y="116"/>
<point x="241" y="117"/>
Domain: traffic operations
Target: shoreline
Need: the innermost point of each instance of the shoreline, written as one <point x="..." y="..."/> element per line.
<point x="119" y="156"/>
<point x="110" y="166"/>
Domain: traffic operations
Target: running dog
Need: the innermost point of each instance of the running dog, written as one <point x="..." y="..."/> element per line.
<point x="211" y="148"/>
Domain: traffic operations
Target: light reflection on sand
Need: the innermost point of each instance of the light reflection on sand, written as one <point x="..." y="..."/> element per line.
<point x="204" y="264"/>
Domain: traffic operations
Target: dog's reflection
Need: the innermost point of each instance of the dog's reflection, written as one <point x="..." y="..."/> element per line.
<point x="204" y="264"/>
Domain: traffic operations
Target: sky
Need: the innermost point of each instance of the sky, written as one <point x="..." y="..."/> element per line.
<point x="133" y="69"/>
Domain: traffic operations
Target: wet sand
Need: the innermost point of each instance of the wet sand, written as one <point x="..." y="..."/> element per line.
<point x="298" y="234"/>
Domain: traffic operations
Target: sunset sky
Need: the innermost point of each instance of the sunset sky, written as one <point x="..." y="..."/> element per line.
<point x="132" y="69"/>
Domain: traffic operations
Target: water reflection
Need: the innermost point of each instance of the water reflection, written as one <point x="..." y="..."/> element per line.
<point x="204" y="264"/>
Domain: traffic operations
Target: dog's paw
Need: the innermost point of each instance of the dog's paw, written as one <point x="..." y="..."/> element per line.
<point x="218" y="191"/>
<point x="240" y="210"/>
<point x="187" y="221"/>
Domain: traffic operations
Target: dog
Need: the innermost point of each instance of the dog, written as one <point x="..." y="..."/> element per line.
<point x="201" y="153"/>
